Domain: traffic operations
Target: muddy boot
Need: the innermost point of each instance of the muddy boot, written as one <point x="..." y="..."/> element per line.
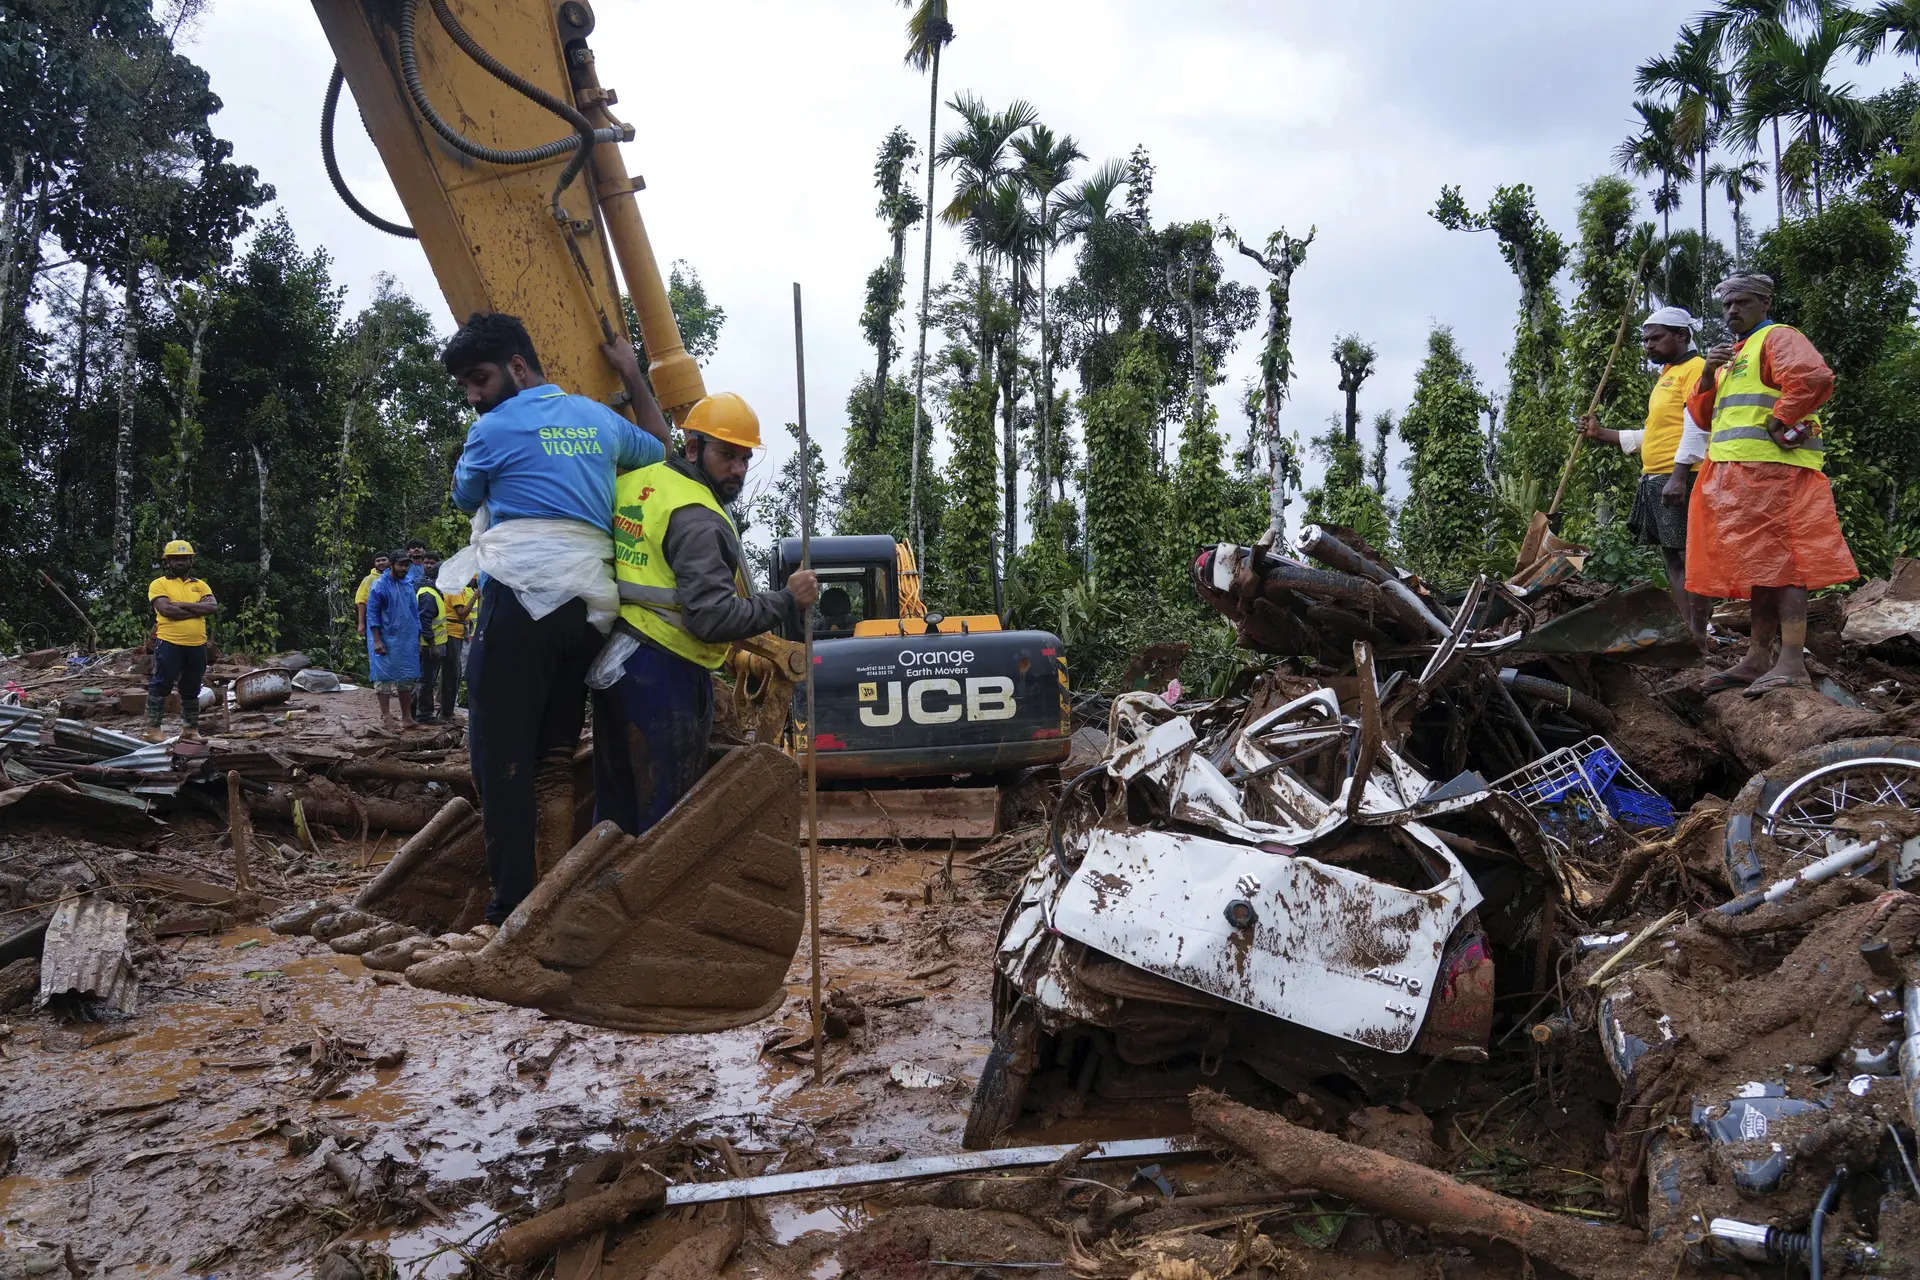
<point x="156" y="711"/>
<point x="190" y="719"/>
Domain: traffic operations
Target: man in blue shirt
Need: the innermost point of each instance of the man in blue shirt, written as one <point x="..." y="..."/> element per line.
<point x="416" y="562"/>
<point x="535" y="453"/>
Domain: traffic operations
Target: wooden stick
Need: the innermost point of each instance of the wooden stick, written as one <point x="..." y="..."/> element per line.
<point x="1414" y="1193"/>
<point x="93" y="637"/>
<point x="813" y="793"/>
<point x="639" y="1191"/>
<point x="240" y="833"/>
<point x="1619" y="337"/>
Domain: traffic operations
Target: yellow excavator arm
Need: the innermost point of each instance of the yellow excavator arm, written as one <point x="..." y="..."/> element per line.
<point x="496" y="132"/>
<point x="492" y="123"/>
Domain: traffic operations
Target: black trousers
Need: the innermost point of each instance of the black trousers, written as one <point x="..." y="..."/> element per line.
<point x="526" y="702"/>
<point x="450" y="677"/>
<point x="430" y="664"/>
<point x="182" y="665"/>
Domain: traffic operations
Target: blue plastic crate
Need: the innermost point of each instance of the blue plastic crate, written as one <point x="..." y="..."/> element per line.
<point x="1601" y="764"/>
<point x="1639" y="807"/>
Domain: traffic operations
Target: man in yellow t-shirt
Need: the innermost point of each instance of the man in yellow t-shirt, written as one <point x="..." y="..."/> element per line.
<point x="182" y="604"/>
<point x="380" y="563"/>
<point x="458" y="608"/>
<point x="1669" y="445"/>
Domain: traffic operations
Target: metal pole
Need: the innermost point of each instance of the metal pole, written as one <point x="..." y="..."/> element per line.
<point x="813" y="795"/>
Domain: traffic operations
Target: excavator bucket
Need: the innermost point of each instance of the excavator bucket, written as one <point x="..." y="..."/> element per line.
<point x="690" y="927"/>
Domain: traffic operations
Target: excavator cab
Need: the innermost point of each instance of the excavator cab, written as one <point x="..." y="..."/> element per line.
<point x="859" y="582"/>
<point x="920" y="719"/>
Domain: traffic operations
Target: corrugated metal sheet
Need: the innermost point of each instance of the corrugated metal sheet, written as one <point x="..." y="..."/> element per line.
<point x="86" y="954"/>
<point x="25" y="725"/>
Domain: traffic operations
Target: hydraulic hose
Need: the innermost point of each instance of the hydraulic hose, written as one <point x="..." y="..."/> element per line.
<point x="327" y="114"/>
<point x="1568" y="699"/>
<point x="580" y="142"/>
<point x="1815" y="1268"/>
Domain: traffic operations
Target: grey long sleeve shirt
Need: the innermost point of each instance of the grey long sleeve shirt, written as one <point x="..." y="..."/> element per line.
<point x="705" y="554"/>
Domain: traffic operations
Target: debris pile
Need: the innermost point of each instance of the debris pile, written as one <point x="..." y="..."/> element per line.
<point x="1311" y="896"/>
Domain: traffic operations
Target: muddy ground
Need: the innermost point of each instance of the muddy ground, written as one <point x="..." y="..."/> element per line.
<point x="276" y="1109"/>
<point x="195" y="1136"/>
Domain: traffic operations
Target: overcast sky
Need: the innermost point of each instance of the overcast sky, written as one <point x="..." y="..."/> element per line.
<point x="758" y="121"/>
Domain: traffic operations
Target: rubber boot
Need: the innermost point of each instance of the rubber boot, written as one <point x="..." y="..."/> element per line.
<point x="190" y="719"/>
<point x="156" y="710"/>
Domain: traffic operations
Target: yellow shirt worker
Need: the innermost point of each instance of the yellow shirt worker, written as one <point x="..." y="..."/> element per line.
<point x="1670" y="444"/>
<point x="182" y="604"/>
<point x="380" y="566"/>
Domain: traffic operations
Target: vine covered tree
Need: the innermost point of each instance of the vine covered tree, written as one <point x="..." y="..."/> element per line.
<point x="1533" y="444"/>
<point x="1449" y="506"/>
<point x="1282" y="258"/>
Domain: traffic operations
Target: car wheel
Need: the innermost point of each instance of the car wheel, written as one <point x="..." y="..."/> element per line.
<point x="1003" y="1080"/>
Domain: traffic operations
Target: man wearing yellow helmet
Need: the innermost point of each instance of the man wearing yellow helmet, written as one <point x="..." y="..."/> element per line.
<point x="684" y="597"/>
<point x="182" y="604"/>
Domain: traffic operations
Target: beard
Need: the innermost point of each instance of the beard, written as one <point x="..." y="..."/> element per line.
<point x="728" y="490"/>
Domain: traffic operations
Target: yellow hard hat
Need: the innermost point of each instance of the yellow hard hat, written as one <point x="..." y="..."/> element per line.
<point x="178" y="547"/>
<point x="727" y="417"/>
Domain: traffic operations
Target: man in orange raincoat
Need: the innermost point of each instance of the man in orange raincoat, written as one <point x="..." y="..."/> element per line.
<point x="1761" y="523"/>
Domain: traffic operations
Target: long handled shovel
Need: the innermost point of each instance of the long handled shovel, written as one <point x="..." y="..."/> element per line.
<point x="1530" y="546"/>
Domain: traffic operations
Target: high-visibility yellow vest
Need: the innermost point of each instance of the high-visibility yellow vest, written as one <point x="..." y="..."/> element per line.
<point x="456" y="629"/>
<point x="1743" y="402"/>
<point x="439" y="633"/>
<point x="643" y="502"/>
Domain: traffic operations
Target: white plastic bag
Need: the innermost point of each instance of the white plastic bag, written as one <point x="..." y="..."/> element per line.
<point x="612" y="662"/>
<point x="546" y="562"/>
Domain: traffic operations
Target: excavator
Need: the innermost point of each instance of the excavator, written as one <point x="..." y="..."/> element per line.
<point x="501" y="142"/>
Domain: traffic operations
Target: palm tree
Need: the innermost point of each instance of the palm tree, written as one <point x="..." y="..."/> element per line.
<point x="1702" y="96"/>
<point x="1046" y="162"/>
<point x="980" y="153"/>
<point x="1654" y="150"/>
<point x="1000" y="228"/>
<point x="1895" y="20"/>
<point x="928" y="32"/>
<point x="1738" y="24"/>
<point x="1787" y="80"/>
<point x="1738" y="179"/>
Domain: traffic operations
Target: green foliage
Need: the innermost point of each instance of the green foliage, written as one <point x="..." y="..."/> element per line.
<point x="253" y="628"/>
<point x="961" y="577"/>
<point x="1200" y="500"/>
<point x="873" y="496"/>
<point x="1343" y="495"/>
<point x="1606" y="286"/>
<point x="1124" y="500"/>
<point x="1533" y="437"/>
<point x="1445" y="520"/>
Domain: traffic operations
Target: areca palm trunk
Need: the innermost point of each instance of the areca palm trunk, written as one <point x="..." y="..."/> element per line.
<point x="1779" y="196"/>
<point x="1009" y="443"/>
<point x="1705" y="295"/>
<point x="1043" y="478"/>
<point x="926" y="285"/>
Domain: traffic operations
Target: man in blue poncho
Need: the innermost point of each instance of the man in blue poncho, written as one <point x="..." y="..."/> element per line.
<point x="393" y="640"/>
